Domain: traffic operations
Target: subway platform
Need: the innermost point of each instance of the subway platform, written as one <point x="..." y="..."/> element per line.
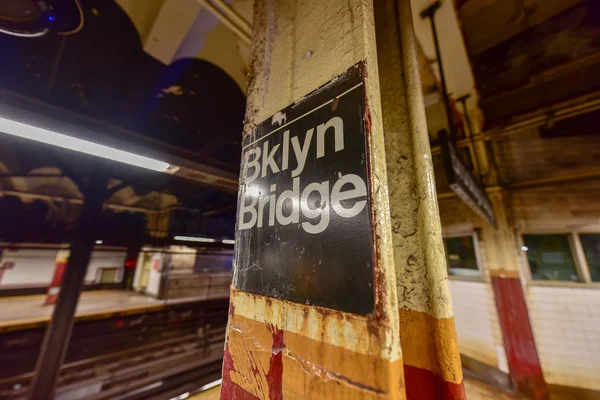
<point x="19" y="309"/>
<point x="26" y="312"/>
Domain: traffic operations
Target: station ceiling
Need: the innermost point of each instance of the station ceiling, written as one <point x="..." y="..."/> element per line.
<point x="170" y="72"/>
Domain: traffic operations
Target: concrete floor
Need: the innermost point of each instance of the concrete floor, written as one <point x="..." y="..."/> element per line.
<point x="23" y="309"/>
<point x="476" y="390"/>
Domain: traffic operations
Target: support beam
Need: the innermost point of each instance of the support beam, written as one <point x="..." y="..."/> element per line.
<point x="130" y="266"/>
<point x="58" y="333"/>
<point x="432" y="367"/>
<point x="501" y="250"/>
<point x="240" y="30"/>
<point x="301" y="324"/>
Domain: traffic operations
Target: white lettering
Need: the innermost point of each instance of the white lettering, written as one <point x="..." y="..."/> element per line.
<point x="261" y="208"/>
<point x="252" y="164"/>
<point x="301" y="152"/>
<point x="321" y="210"/>
<point x="272" y="198"/>
<point x="338" y="126"/>
<point x="286" y="151"/>
<point x="244" y="208"/>
<point x="268" y="160"/>
<point x="359" y="190"/>
<point x="293" y="196"/>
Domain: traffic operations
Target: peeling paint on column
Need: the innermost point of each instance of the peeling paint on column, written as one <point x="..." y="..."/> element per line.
<point x="317" y="347"/>
<point x="431" y="357"/>
<point x="324" y="353"/>
<point x="517" y="333"/>
<point x="275" y="374"/>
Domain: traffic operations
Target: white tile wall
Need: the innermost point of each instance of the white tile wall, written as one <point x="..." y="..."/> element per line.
<point x="33" y="268"/>
<point x="566" y="325"/>
<point x="476" y="320"/>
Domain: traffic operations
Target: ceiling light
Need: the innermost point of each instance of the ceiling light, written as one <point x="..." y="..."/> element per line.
<point x="83" y="146"/>
<point x="39" y="33"/>
<point x="99" y="242"/>
<point x="194" y="239"/>
<point x="228" y="241"/>
<point x="524" y="248"/>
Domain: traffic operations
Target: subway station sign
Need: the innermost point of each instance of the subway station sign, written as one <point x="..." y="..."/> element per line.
<point x="462" y="182"/>
<point x="304" y="229"/>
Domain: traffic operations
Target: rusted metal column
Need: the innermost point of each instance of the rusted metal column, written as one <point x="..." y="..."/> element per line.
<point x="324" y="332"/>
<point x="58" y="333"/>
<point x="59" y="270"/>
<point x="432" y="367"/>
<point x="501" y="250"/>
<point x="133" y="252"/>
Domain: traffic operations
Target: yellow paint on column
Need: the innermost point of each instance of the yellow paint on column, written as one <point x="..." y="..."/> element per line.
<point x="501" y="251"/>
<point x="318" y="362"/>
<point x="297" y="47"/>
<point x="428" y="336"/>
<point x="431" y="343"/>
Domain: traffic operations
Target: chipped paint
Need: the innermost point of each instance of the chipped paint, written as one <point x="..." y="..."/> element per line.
<point x="503" y="262"/>
<point x="324" y="353"/>
<point x="275" y="374"/>
<point x="311" y="350"/>
<point x="430" y="348"/>
<point x="278" y="119"/>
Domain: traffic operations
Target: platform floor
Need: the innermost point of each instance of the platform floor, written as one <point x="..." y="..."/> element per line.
<point x="476" y="390"/>
<point x="26" y="309"/>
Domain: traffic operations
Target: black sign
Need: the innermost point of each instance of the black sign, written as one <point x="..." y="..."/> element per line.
<point x="462" y="181"/>
<point x="304" y="228"/>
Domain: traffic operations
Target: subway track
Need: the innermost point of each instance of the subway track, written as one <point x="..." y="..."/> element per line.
<point x="158" y="354"/>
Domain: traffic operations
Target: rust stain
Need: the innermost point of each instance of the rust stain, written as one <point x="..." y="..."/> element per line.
<point x="378" y="273"/>
<point x="297" y="357"/>
<point x="333" y="327"/>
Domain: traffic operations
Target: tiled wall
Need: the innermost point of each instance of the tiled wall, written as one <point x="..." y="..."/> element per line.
<point x="35" y="268"/>
<point x="476" y="320"/>
<point x="566" y="324"/>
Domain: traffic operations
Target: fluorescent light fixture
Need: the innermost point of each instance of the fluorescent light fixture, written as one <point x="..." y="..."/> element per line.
<point x="25" y="34"/>
<point x="99" y="241"/>
<point x="194" y="239"/>
<point x="210" y="385"/>
<point x="83" y="146"/>
<point x="228" y="241"/>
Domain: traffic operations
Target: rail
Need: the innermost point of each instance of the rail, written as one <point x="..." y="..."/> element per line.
<point x="128" y="357"/>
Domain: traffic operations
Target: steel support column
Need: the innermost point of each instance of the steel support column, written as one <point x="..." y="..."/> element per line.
<point x="130" y="266"/>
<point x="432" y="366"/>
<point x="58" y="333"/>
<point x="501" y="248"/>
<point x="280" y="348"/>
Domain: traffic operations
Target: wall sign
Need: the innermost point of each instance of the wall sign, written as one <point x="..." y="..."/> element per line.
<point x="462" y="182"/>
<point x="304" y="229"/>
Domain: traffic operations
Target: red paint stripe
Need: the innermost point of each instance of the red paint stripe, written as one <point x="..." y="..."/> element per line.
<point x="230" y="390"/>
<point x="422" y="384"/>
<point x="521" y="352"/>
<point x="275" y="374"/>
